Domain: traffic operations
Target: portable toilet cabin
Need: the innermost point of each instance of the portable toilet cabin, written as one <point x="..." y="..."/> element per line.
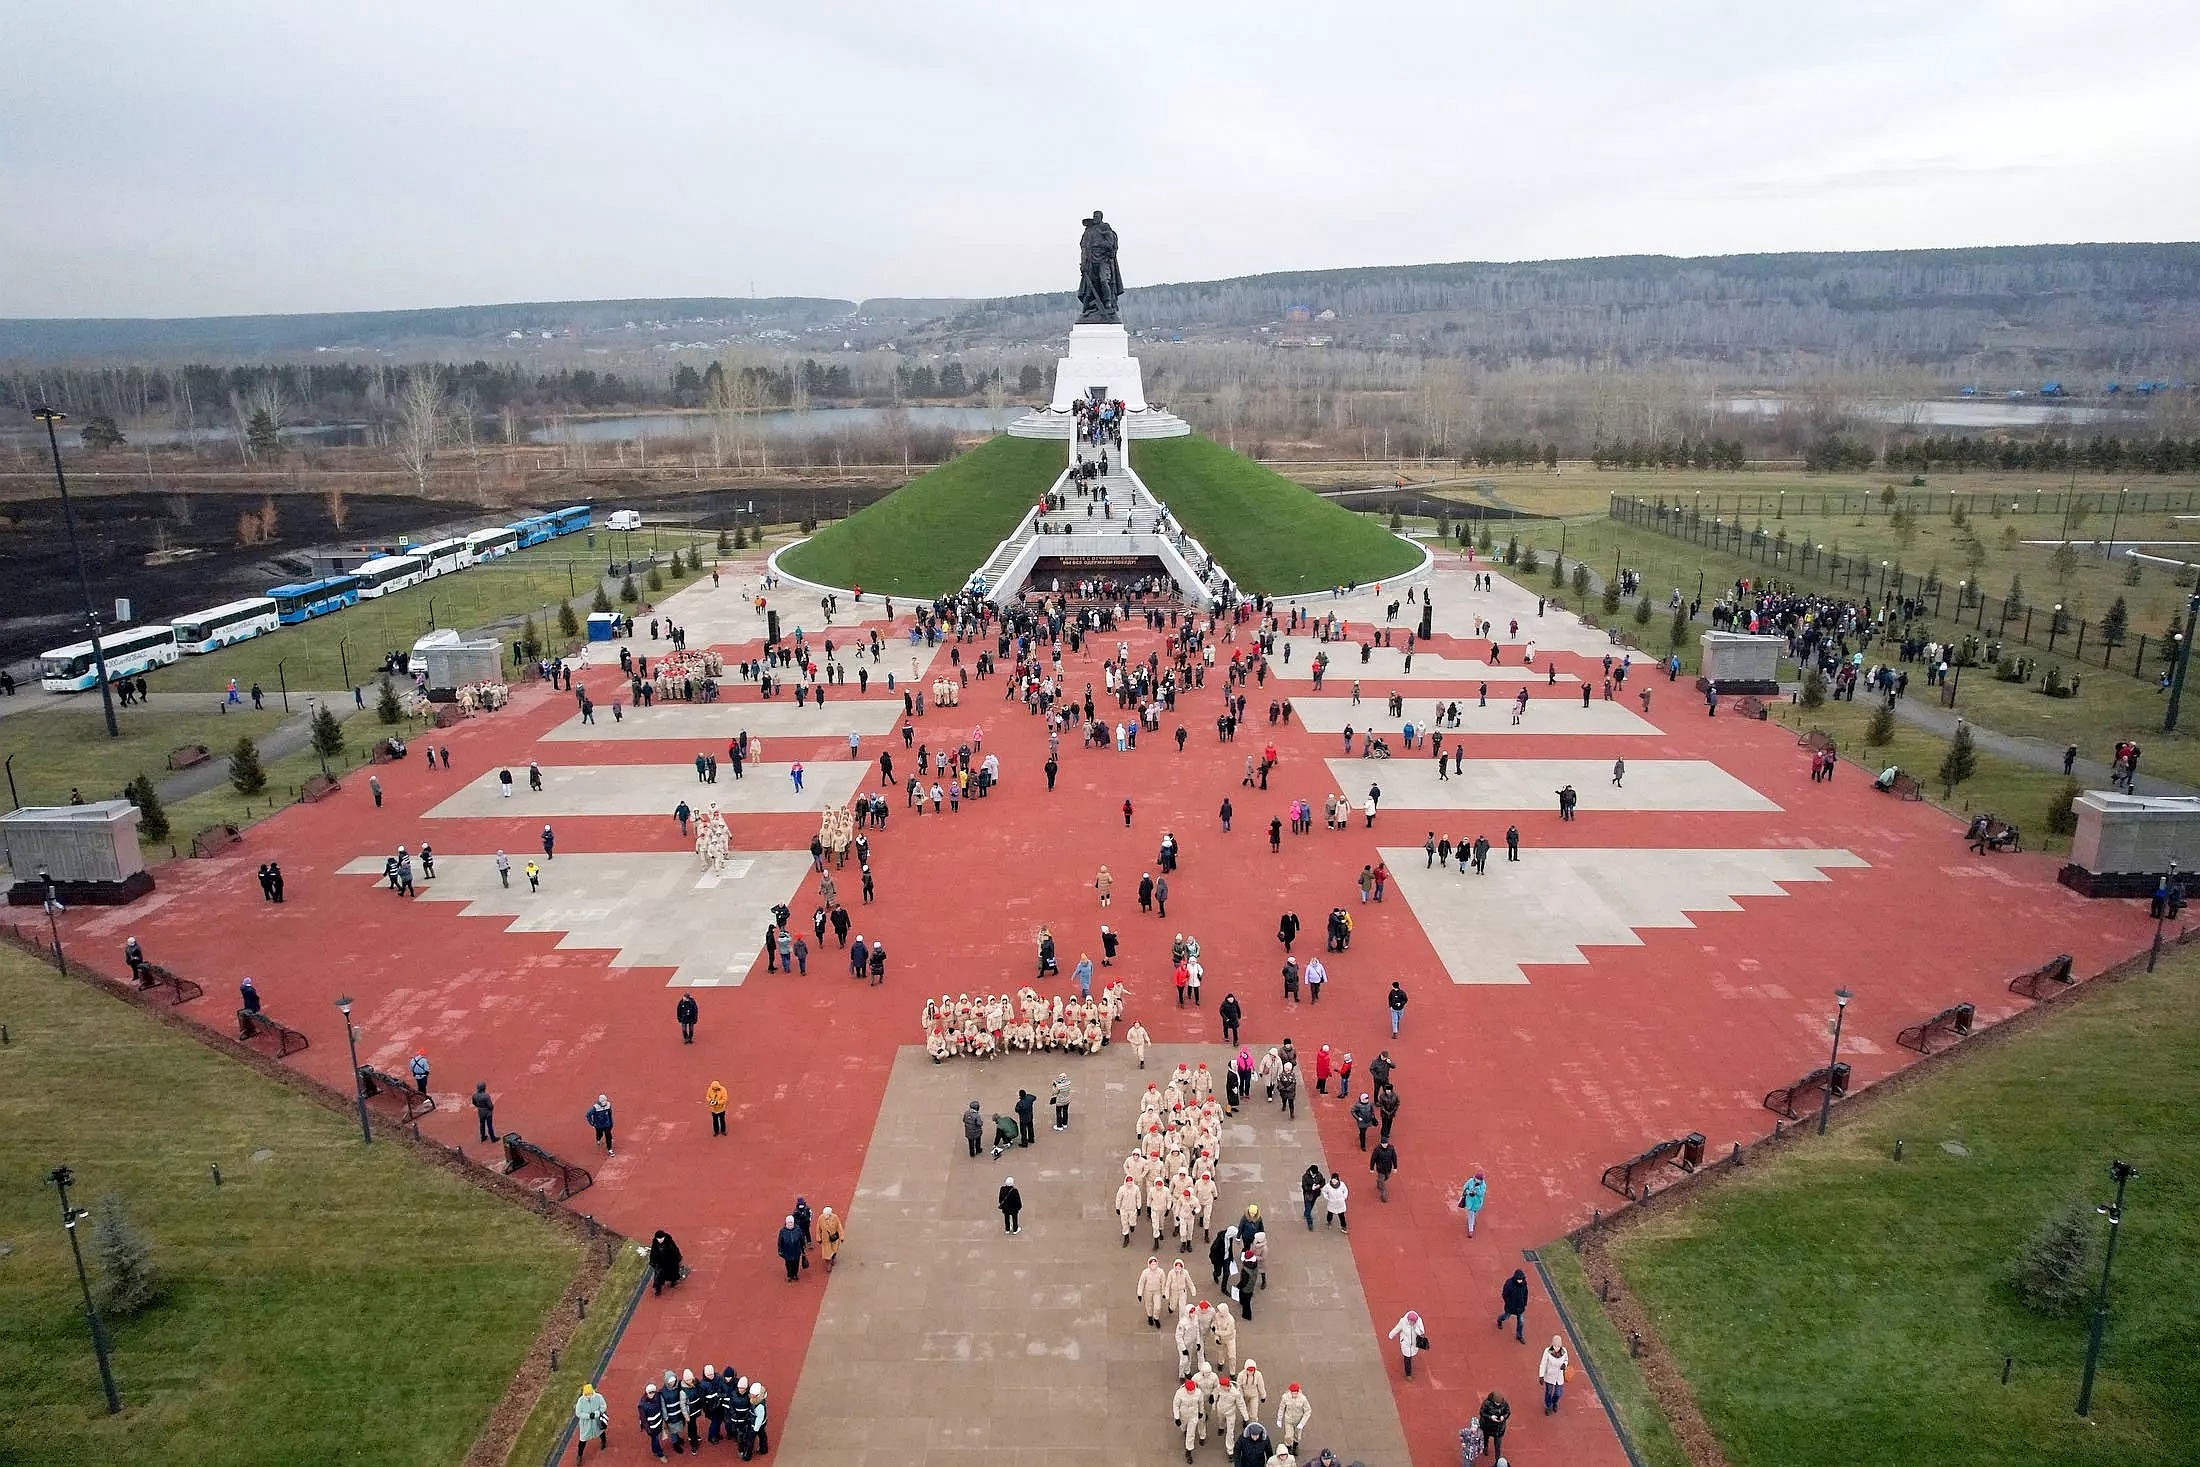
<point x="602" y="625"/>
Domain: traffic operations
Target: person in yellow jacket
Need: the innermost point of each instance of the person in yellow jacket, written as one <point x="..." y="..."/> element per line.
<point x="715" y="1098"/>
<point x="830" y="1231"/>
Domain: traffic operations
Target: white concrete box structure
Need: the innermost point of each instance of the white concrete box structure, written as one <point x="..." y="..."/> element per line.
<point x="1739" y="662"/>
<point x="2125" y="843"/>
<point x="89" y="852"/>
<point x="1099" y="363"/>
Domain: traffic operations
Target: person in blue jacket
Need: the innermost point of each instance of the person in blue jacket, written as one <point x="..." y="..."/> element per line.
<point x="652" y="1412"/>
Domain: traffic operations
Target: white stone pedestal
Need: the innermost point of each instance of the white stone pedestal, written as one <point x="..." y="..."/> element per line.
<point x="1737" y="662"/>
<point x="1099" y="358"/>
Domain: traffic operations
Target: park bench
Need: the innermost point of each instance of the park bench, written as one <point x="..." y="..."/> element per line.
<point x="1906" y="787"/>
<point x="318" y="787"/>
<point x="1951" y="1023"/>
<point x="1752" y="708"/>
<point x="186" y="755"/>
<point x="2035" y="983"/>
<point x="1818" y="741"/>
<point x="1832" y="1079"/>
<point x="448" y="715"/>
<point x="1684" y="1152"/>
<point x="180" y="988"/>
<point x="214" y="839"/>
<point x="374" y="1082"/>
<point x="251" y="1026"/>
<point x="565" y="1178"/>
<point x="1990" y="834"/>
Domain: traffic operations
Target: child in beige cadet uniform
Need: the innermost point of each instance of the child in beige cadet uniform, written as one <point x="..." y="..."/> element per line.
<point x="1157" y="1203"/>
<point x="1253" y="1386"/>
<point x="1208" y="1379"/>
<point x="1138" y="1039"/>
<point x="1186" y="1411"/>
<point x="1128" y="1199"/>
<point x="1180" y="1292"/>
<point x="1293" y="1412"/>
<point x="1222" y="1343"/>
<point x="1186" y="1212"/>
<point x="1229" y="1410"/>
<point x="1189" y="1336"/>
<point x="1152" y="1291"/>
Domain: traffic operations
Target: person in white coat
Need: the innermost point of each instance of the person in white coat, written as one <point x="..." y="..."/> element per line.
<point x="1253" y="1386"/>
<point x="1551" y="1370"/>
<point x="1190" y="1337"/>
<point x="1188" y="1410"/>
<point x="1293" y="1412"/>
<point x="1411" y="1338"/>
<point x="1152" y="1291"/>
<point x="1334" y="1194"/>
<point x="1128" y="1199"/>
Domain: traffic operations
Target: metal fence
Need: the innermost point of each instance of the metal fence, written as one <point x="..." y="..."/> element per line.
<point x="2070" y="507"/>
<point x="2050" y="630"/>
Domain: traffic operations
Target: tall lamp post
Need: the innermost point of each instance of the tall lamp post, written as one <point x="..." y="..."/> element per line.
<point x="1841" y="998"/>
<point x="49" y="417"/>
<point x="2114" y="520"/>
<point x="2121" y="1172"/>
<point x="358" y="1086"/>
<point x="2184" y="660"/>
<point x="52" y="904"/>
<point x="63" y="1179"/>
<point x="2164" y="904"/>
<point x="282" y="682"/>
<point x="343" y="659"/>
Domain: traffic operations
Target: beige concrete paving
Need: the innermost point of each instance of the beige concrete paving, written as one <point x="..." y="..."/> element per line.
<point x="1552" y="903"/>
<point x="710" y="725"/>
<point x="655" y="789"/>
<point x="1533" y="784"/>
<point x="658" y="909"/>
<point x="1547" y="714"/>
<point x="1459" y="606"/>
<point x="943" y="1341"/>
<point x="1386" y="665"/>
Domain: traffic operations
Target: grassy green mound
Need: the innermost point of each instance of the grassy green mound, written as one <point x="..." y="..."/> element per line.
<point x="1838" y="1296"/>
<point x="1274" y="536"/>
<point x="926" y="537"/>
<point x="328" y="1302"/>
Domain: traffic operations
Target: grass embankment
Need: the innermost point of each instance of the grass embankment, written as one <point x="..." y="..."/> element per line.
<point x="926" y="537"/>
<point x="554" y="1407"/>
<point x="1274" y="536"/>
<point x="1835" y="1300"/>
<point x="60" y="749"/>
<point x="1628" y="1392"/>
<point x="328" y="1302"/>
<point x="2110" y="705"/>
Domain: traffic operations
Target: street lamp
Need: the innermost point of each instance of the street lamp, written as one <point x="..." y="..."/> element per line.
<point x="2116" y="519"/>
<point x="2162" y="906"/>
<point x="282" y="683"/>
<point x="52" y="904"/>
<point x="431" y="613"/>
<point x="15" y="801"/>
<point x="2121" y="1172"/>
<point x="342" y="658"/>
<point x="63" y="1179"/>
<point x="50" y="417"/>
<point x="358" y="1085"/>
<point x="1841" y="998"/>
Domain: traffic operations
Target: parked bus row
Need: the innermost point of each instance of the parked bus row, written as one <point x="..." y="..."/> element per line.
<point x="137" y="650"/>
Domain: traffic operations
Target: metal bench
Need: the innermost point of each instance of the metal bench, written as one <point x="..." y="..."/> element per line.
<point x="1953" y="1023"/>
<point x="1906" y="788"/>
<point x="1752" y="708"/>
<point x="564" y="1178"/>
<point x="214" y="840"/>
<point x="374" y="1082"/>
<point x="184" y="756"/>
<point x="2034" y="984"/>
<point x="251" y="1026"/>
<point x="1831" y="1079"/>
<point x="318" y="787"/>
<point x="180" y="989"/>
<point x="1818" y="741"/>
<point x="1684" y="1152"/>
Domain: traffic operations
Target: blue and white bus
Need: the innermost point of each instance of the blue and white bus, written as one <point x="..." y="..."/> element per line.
<point x="72" y="669"/>
<point x="387" y="573"/>
<point x="566" y="521"/>
<point x="304" y="600"/>
<point x="533" y="530"/>
<point x="441" y="557"/>
<point x="214" y="629"/>
<point x="490" y="544"/>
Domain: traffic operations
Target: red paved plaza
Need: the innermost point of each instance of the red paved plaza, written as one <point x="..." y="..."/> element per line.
<point x="1542" y="1084"/>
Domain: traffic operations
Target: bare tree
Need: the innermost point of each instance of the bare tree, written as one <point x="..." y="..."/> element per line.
<point x="421" y="412"/>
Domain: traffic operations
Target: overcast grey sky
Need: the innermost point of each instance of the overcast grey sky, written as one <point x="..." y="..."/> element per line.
<point x="287" y="155"/>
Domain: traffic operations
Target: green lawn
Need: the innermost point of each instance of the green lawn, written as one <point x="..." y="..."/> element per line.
<point x="327" y="1303"/>
<point x="1272" y="535"/>
<point x="926" y="537"/>
<point x="554" y="1407"/>
<point x="61" y="748"/>
<point x="346" y="649"/>
<point x="1623" y="1383"/>
<point x="1835" y="1304"/>
<point x="2109" y="706"/>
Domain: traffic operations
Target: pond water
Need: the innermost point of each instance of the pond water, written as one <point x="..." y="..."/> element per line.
<point x="784" y="423"/>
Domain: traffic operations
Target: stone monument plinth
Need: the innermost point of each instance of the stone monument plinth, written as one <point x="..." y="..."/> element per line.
<point x="1738" y="662"/>
<point x="2125" y="843"/>
<point x="455" y="664"/>
<point x="88" y="852"/>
